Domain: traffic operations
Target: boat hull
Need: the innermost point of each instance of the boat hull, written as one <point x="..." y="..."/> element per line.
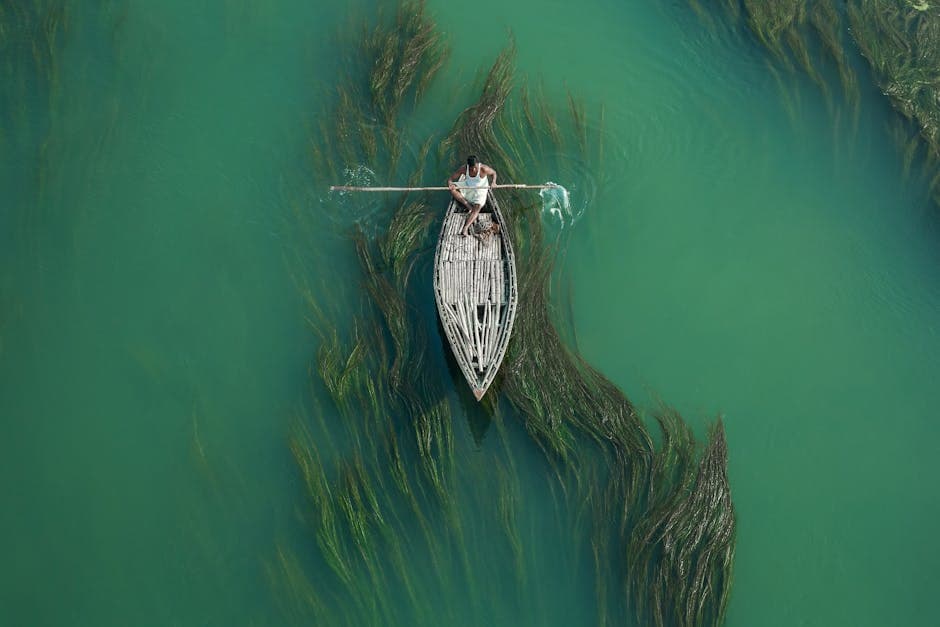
<point x="476" y="291"/>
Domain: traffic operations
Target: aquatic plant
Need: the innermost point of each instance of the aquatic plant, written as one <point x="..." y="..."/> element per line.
<point x="681" y="553"/>
<point x="395" y="489"/>
<point x="392" y="496"/>
<point x="827" y="24"/>
<point x="899" y="38"/>
<point x="399" y="56"/>
<point x="31" y="37"/>
<point x="473" y="130"/>
<point x="570" y="409"/>
<point x="901" y="41"/>
<point x="38" y="104"/>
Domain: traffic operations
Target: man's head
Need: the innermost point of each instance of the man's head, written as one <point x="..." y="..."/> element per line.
<point x="472" y="160"/>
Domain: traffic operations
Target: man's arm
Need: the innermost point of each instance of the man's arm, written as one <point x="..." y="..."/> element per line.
<point x="491" y="173"/>
<point x="452" y="185"/>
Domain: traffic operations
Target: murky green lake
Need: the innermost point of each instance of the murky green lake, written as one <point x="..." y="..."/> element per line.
<point x="738" y="244"/>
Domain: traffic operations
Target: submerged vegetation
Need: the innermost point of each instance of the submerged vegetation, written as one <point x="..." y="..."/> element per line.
<point x="899" y="38"/>
<point x="38" y="210"/>
<point x="396" y="514"/>
<point x="32" y="36"/>
<point x="37" y="104"/>
<point x="573" y="412"/>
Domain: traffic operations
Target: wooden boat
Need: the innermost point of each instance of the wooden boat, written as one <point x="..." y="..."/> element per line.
<point x="476" y="291"/>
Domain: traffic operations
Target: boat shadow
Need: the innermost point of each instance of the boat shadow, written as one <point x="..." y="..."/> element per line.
<point x="479" y="413"/>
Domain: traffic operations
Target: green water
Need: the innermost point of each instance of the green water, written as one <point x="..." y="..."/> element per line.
<point x="743" y="247"/>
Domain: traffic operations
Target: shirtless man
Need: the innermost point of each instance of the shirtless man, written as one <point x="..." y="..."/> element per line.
<point x="473" y="176"/>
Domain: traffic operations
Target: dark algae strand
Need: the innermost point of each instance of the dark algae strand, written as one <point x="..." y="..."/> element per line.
<point x="573" y="412"/>
<point x="900" y="39"/>
<point x="35" y="96"/>
<point x="681" y="552"/>
<point x="393" y="519"/>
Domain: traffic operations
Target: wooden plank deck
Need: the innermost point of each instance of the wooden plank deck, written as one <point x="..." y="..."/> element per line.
<point x="475" y="289"/>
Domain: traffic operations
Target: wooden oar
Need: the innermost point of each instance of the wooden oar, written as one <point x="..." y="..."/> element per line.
<point x="350" y="188"/>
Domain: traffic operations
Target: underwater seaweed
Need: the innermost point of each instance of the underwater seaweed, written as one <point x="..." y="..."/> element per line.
<point x="570" y="409"/>
<point x="40" y="100"/>
<point x="681" y="553"/>
<point x="396" y="490"/>
<point x="900" y="39"/>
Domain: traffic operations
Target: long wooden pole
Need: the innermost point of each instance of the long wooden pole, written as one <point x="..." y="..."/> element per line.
<point x="350" y="188"/>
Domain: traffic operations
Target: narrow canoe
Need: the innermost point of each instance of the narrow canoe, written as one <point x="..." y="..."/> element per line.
<point x="476" y="292"/>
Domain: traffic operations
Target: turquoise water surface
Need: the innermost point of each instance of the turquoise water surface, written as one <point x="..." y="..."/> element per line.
<point x="737" y="244"/>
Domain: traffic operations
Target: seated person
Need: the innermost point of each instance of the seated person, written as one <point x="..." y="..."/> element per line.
<point x="474" y="180"/>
